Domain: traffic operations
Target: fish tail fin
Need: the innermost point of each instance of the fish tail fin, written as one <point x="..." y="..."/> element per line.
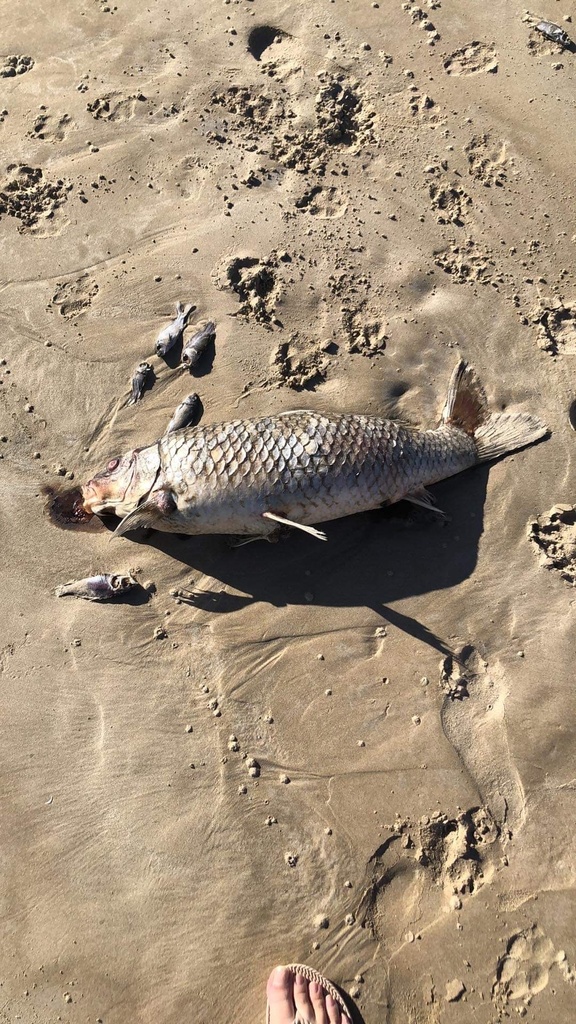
<point x="495" y="434"/>
<point x="505" y="432"/>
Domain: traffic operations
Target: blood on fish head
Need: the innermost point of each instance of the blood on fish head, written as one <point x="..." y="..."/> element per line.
<point x="120" y="487"/>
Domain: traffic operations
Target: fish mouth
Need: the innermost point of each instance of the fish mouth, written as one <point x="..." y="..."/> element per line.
<point x="94" y="503"/>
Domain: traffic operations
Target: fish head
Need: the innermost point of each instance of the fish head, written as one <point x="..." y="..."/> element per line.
<point x="124" y="483"/>
<point x="190" y="357"/>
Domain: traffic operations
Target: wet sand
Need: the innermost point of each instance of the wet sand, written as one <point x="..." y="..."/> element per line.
<point x="360" y="754"/>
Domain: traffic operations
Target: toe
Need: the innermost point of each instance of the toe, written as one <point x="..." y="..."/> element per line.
<point x="302" y="999"/>
<point x="319" y="1003"/>
<point x="279" y="994"/>
<point x="333" y="1010"/>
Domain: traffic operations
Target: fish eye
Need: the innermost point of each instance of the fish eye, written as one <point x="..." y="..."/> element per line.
<point x="112" y="465"/>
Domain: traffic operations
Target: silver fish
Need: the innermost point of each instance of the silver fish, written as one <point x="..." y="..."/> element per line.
<point x="141" y="374"/>
<point x="196" y="345"/>
<point x="185" y="413"/>
<point x="299" y="468"/>
<point x="97" y="588"/>
<point x="553" y="32"/>
<point x="174" y="331"/>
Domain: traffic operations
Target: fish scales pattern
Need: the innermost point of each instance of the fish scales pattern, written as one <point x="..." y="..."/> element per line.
<point x="303" y="464"/>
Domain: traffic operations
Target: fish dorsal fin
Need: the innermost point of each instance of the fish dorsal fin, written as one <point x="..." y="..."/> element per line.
<point x="466" y="405"/>
<point x="297" y="526"/>
<point x="149" y="515"/>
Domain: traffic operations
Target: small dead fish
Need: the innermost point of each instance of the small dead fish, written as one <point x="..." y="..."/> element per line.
<point x="194" y="348"/>
<point x="97" y="588"/>
<point x="141" y="374"/>
<point x="299" y="468"/>
<point x="553" y="32"/>
<point x="185" y="413"/>
<point x="173" y="332"/>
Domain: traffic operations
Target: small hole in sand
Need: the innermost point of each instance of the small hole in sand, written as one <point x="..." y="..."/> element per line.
<point x="261" y="38"/>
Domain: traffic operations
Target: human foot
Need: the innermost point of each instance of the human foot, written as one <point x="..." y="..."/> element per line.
<point x="295" y="998"/>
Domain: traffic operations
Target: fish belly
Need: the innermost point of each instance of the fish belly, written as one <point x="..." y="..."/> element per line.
<point x="302" y="466"/>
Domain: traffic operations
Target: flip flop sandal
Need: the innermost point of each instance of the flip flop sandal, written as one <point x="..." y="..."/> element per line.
<point x="311" y="975"/>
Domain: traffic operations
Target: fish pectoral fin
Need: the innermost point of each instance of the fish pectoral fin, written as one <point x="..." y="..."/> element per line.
<point x="423" y="498"/>
<point x="297" y="526"/>
<point x="149" y="515"/>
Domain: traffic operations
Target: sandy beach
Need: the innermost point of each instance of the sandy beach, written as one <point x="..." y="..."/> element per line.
<point x="357" y="755"/>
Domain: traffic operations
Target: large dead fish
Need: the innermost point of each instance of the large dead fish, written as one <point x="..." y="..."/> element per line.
<point x="300" y="468"/>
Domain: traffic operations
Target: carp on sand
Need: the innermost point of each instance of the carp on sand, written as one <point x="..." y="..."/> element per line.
<point x="247" y="477"/>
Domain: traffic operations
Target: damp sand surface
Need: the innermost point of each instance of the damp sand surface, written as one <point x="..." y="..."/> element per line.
<point x="360" y="754"/>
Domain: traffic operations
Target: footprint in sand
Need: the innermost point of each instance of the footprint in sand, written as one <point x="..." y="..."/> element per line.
<point x="364" y="331"/>
<point x="343" y="121"/>
<point x="471" y="59"/>
<point x="324" y="203"/>
<point x="114" y="107"/>
<point x="420" y="18"/>
<point x="188" y="176"/>
<point x="525" y="968"/>
<point x="487" y="160"/>
<point x="49" y="127"/>
<point x="421" y="104"/>
<point x="450" y="202"/>
<point x="437" y="855"/>
<point x="299" y="363"/>
<point x="473" y="720"/>
<point x="74" y="297"/>
<point x="29" y="197"/>
<point x="467" y="263"/>
<point x="256" y="282"/>
<point x="556" y="321"/>
<point x="554" y="534"/>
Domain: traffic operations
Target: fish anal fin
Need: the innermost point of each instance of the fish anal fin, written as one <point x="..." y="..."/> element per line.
<point x="297" y="526"/>
<point x="424" y="499"/>
<point x="149" y="515"/>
